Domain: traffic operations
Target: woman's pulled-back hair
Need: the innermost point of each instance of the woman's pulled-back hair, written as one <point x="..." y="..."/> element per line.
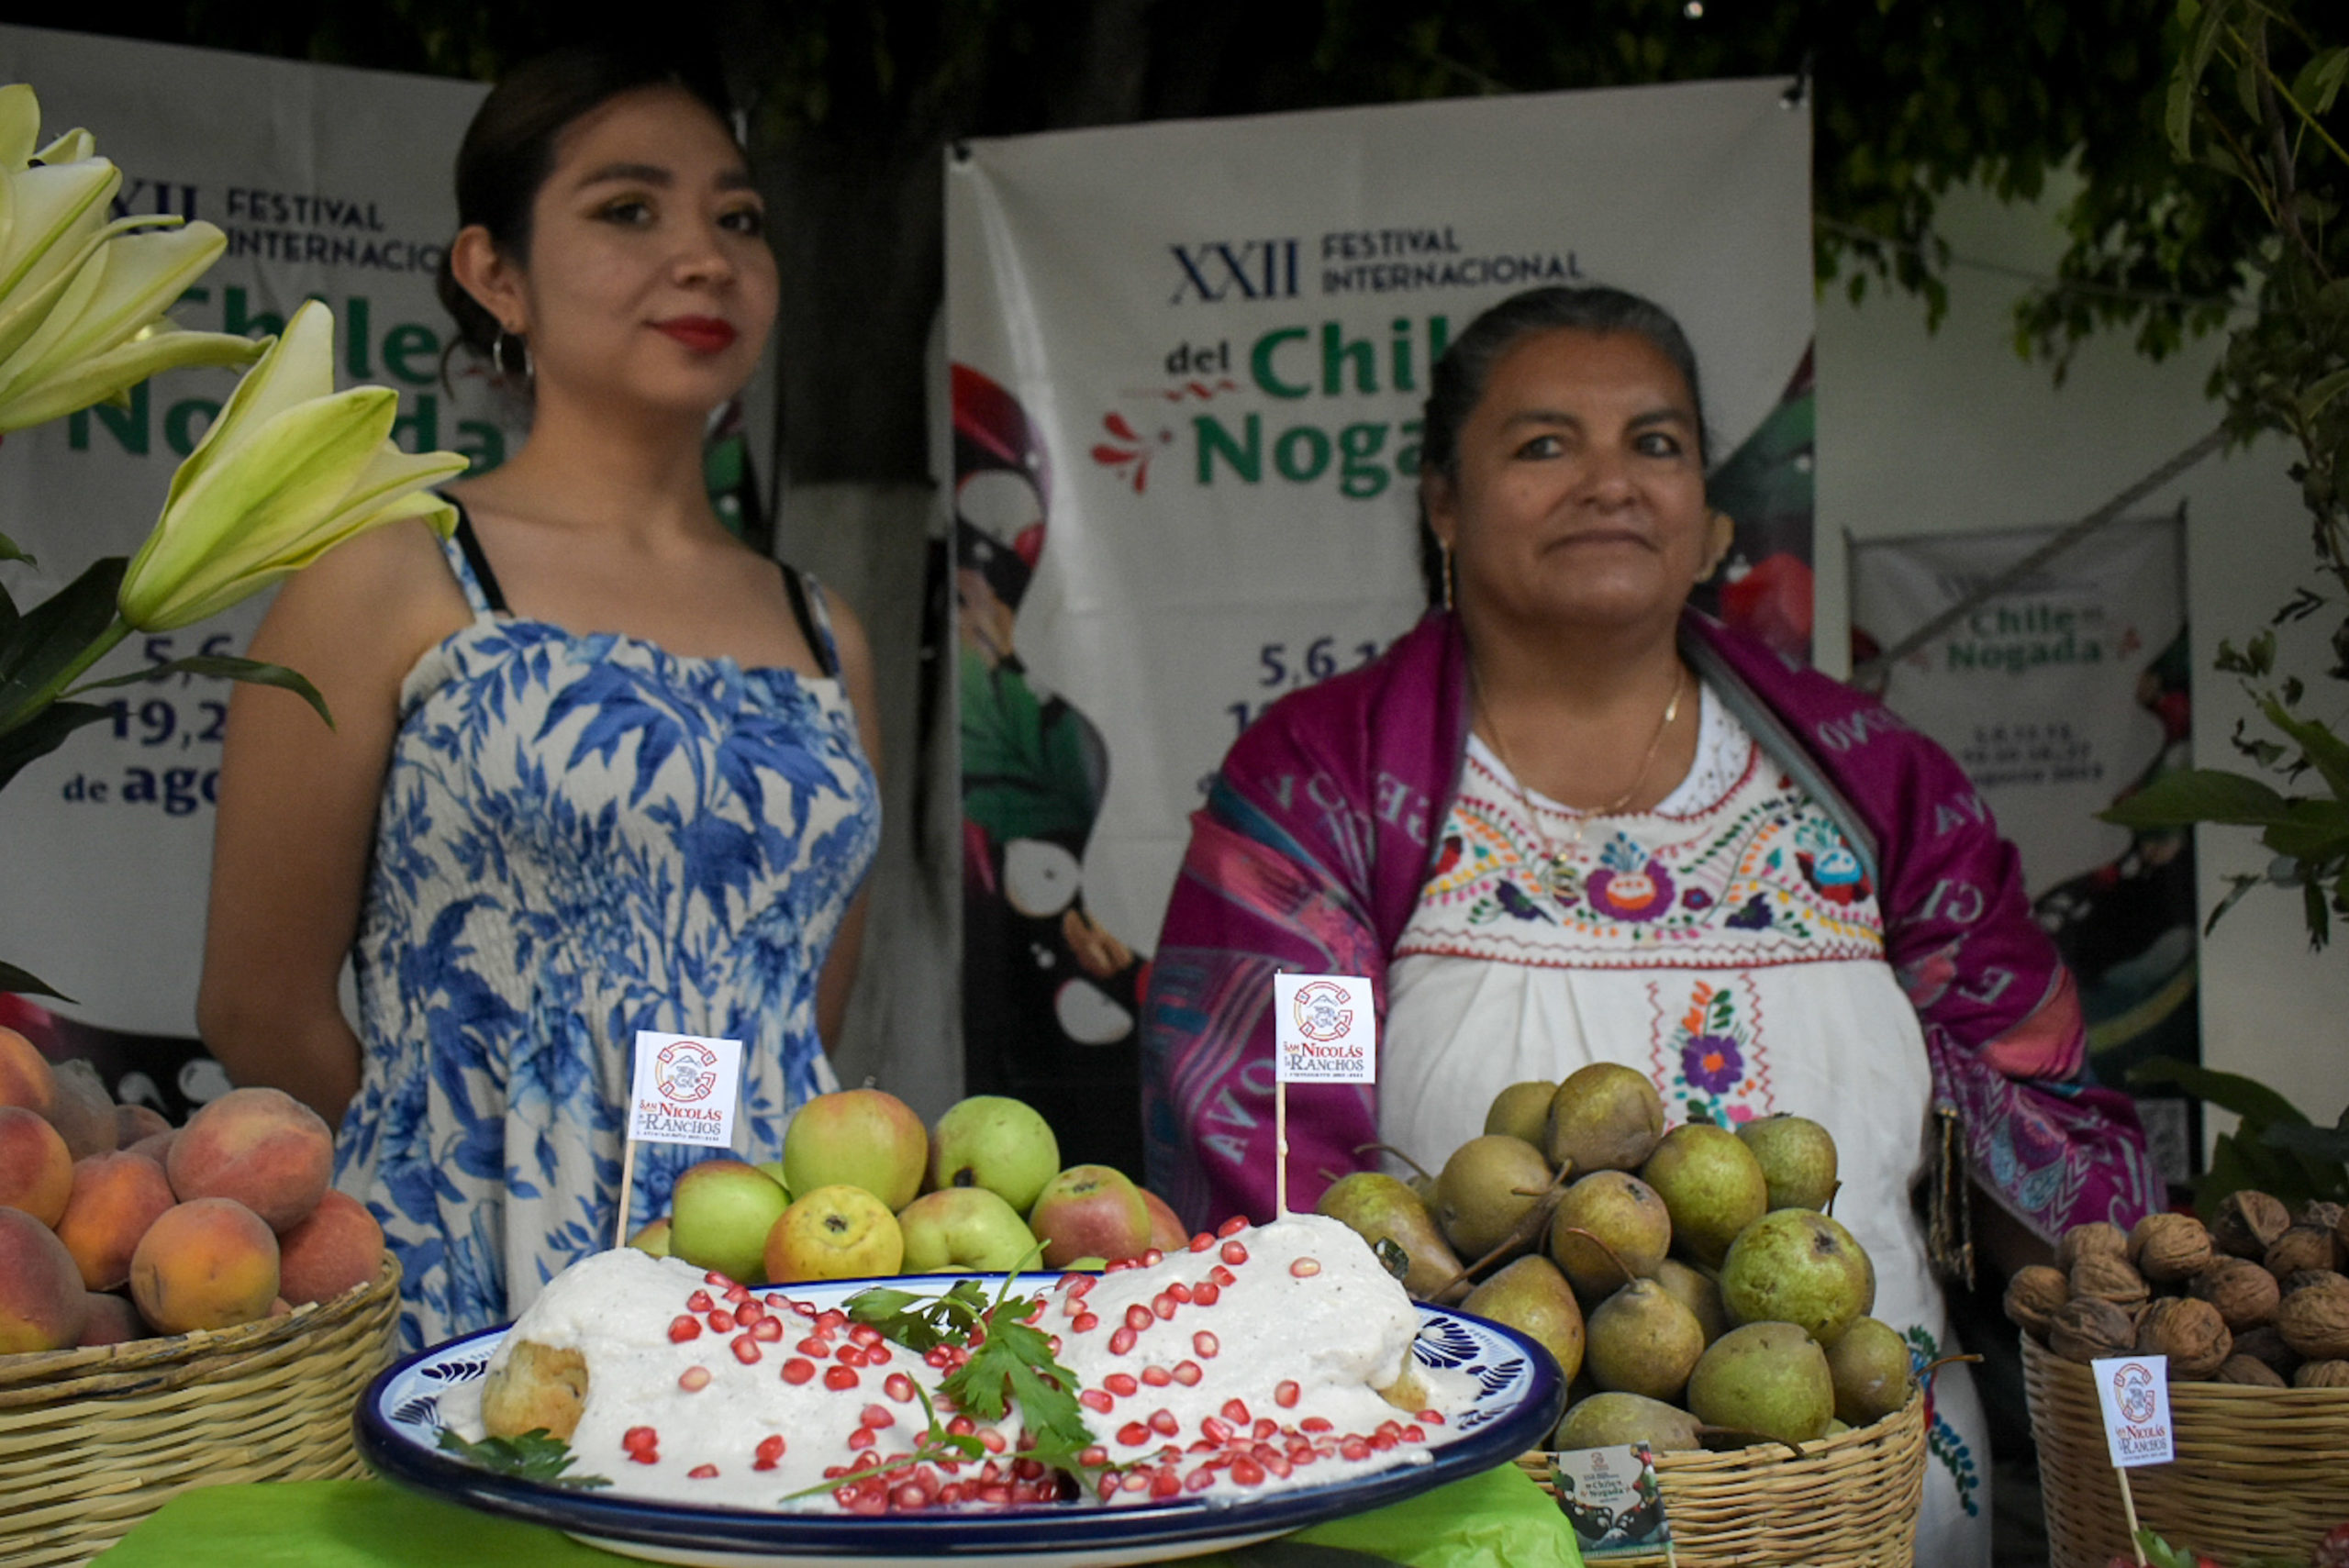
<point x="509" y="150"/>
<point x="1457" y="383"/>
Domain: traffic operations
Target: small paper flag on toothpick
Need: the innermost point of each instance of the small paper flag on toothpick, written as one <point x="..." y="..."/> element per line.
<point x="685" y="1091"/>
<point x="1325" y="1030"/>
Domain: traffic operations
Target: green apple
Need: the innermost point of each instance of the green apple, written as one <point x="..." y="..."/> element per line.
<point x="963" y="1228"/>
<point x="720" y="1216"/>
<point x="840" y="1231"/>
<point x="772" y="1171"/>
<point x="995" y="1143"/>
<point x="862" y="1137"/>
<point x="1090" y="1211"/>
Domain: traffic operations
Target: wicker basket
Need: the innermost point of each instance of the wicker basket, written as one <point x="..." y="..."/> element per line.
<point x="94" y="1441"/>
<point x="2258" y="1469"/>
<point x="1851" y="1501"/>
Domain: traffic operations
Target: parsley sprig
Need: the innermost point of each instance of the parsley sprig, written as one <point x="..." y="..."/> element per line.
<point x="536" y="1455"/>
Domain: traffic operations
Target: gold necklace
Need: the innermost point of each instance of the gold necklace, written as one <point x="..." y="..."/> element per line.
<point x="1556" y="871"/>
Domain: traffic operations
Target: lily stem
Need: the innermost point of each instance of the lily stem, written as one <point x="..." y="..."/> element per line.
<point x="99" y="647"/>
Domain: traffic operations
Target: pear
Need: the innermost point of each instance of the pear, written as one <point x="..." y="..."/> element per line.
<point x="1712" y="1184"/>
<point x="1767" y="1379"/>
<point x="1489" y="1185"/>
<point x="1522" y="1110"/>
<point x="1610" y="1228"/>
<point x="1641" y="1340"/>
<point x="1797" y="1159"/>
<point x="1533" y="1297"/>
<point x="1870" y="1365"/>
<point x="1604" y="1117"/>
<point x="1697" y="1291"/>
<point x="1380" y="1207"/>
<point x="1797" y="1266"/>
<point x="1606" y="1421"/>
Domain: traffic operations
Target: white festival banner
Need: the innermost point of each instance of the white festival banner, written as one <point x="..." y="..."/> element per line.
<point x="1325" y="1028"/>
<point x="1187" y="362"/>
<point x="332" y="183"/>
<point x="687" y="1087"/>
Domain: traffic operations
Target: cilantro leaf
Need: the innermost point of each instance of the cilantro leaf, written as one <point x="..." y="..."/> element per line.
<point x="536" y="1455"/>
<point x="920" y="1323"/>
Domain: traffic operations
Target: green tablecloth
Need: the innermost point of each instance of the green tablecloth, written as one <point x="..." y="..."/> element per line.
<point x="1498" y="1519"/>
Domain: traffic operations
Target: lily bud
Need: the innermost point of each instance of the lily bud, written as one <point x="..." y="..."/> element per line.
<point x="290" y="469"/>
<point x="82" y="299"/>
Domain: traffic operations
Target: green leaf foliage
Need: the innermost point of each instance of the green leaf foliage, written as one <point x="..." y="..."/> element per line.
<point x="2247" y="1097"/>
<point x="44" y="733"/>
<point x="2198" y="795"/>
<point x="227" y="667"/>
<point x="47" y="639"/>
<point x="537" y="1455"/>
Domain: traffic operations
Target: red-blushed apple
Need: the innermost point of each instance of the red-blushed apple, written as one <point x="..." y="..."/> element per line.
<point x="840" y="1231"/>
<point x="995" y="1143"/>
<point x="1090" y="1211"/>
<point x="720" y="1214"/>
<point x="861" y="1138"/>
<point x="1166" y="1232"/>
<point x="654" y="1238"/>
<point x="963" y="1228"/>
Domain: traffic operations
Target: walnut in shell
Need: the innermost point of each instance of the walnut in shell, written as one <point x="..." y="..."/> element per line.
<point x="2245" y="1293"/>
<point x="2247" y="1372"/>
<point x="2097" y="1239"/>
<point x="2191" y="1333"/>
<point x="2088" y="1328"/>
<point x="2314" y="1319"/>
<point x="2301" y="1247"/>
<point x="2167" y="1247"/>
<point x="2034" y="1294"/>
<point x="2322" y="1215"/>
<point x="2247" y="1224"/>
<point x="2304" y="1279"/>
<point x="2108" y="1278"/>
<point x="2322" y="1374"/>
<point x="2266" y="1346"/>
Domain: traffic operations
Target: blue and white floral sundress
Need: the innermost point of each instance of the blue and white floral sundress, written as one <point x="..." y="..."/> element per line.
<point x="582" y="836"/>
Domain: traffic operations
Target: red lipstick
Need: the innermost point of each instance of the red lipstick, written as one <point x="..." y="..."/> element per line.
<point x="702" y="334"/>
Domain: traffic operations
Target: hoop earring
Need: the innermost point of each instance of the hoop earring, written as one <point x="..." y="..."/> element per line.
<point x="497" y="356"/>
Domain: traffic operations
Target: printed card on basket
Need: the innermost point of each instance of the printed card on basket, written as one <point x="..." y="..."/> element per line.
<point x="2134" y="1392"/>
<point x="685" y="1089"/>
<point x="1612" y="1497"/>
<point x="1325" y="1029"/>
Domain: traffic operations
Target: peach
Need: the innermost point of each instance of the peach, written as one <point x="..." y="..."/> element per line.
<point x="261" y="1146"/>
<point x="132" y="1123"/>
<point x="116" y="1197"/>
<point x="337" y="1247"/>
<point x="112" y="1322"/>
<point x="85" y="1111"/>
<point x="209" y="1263"/>
<point x="36" y="1168"/>
<point x="157" y="1147"/>
<point x="26" y="1077"/>
<point x="42" y="1304"/>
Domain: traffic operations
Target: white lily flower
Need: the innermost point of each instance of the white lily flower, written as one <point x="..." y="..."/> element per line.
<point x="290" y="469"/>
<point x="82" y="299"/>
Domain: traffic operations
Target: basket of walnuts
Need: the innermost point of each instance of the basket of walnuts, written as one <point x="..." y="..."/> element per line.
<point x="2252" y="1311"/>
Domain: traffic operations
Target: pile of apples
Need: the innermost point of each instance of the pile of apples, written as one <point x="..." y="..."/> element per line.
<point x="863" y="1189"/>
<point x="115" y="1226"/>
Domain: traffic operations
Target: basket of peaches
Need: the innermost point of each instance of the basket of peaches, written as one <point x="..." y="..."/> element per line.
<point x="179" y="1306"/>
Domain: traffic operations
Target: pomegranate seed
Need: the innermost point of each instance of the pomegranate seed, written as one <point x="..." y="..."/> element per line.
<point x="720" y="1280"/>
<point x="1203" y="1241"/>
<point x="815" y="1345"/>
<point x="639" y="1436"/>
<point x="1028" y="1469"/>
<point x="909" y="1495"/>
<point x="1134" y="1481"/>
<point x="1084" y="1283"/>
<point x="694" y="1379"/>
<point x="1187" y="1373"/>
<point x="682" y="1329"/>
<point x="1383" y="1442"/>
<point x="1151" y="1257"/>
<point x="1120" y="1383"/>
<point x="1165" y="1483"/>
<point x="736" y="1291"/>
<point x="1206" y="1344"/>
<point x="1233" y="1226"/>
<point x="1085" y="1322"/>
<point x="1138" y="1318"/>
<point x="1107" y="1487"/>
<point x="1092" y="1456"/>
<point x="1208" y="1294"/>
<point x="1067" y="1282"/>
<point x="1133" y="1434"/>
<point x="877" y="1417"/>
<point x="1233" y="1253"/>
<point x="721" y="1322"/>
<point x="1278" y="1464"/>
<point x="704" y="1473"/>
<point x="864" y="1461"/>
<point x="950" y="1493"/>
<point x="769" y="1451"/>
<point x="766" y="1330"/>
<point x="865" y="1334"/>
<point x="1157" y="1376"/>
<point x="1265" y="1426"/>
<point x="844" y="1495"/>
<point x="1248" y="1473"/>
<point x="1285" y="1393"/>
<point x="995" y="1494"/>
<point x="1413" y="1435"/>
<point x="1096" y="1399"/>
<point x="1216" y="1431"/>
<point x="1121" y="1342"/>
<point x="1236" y="1412"/>
<point x="798" y="1370"/>
<point x="1199" y="1480"/>
<point x="1304" y="1268"/>
<point x="962" y="1426"/>
<point x="831" y="1317"/>
<point x="898" y="1387"/>
<point x="1431" y="1418"/>
<point x="864" y="1437"/>
<point x="839" y="1377"/>
<point x="1354" y="1448"/>
<point x="1390" y="1428"/>
<point x="1315" y="1424"/>
<point x="1179" y="1291"/>
<point x="645" y="1455"/>
<point x="1163" y="1303"/>
<point x="749" y="1312"/>
<point x="804" y="1308"/>
<point x="1164" y="1423"/>
<point x="1223" y="1276"/>
<point x="699" y="1301"/>
<point x="1116" y="1265"/>
<point x="849" y="1355"/>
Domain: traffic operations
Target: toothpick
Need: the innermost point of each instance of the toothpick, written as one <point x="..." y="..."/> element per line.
<point x="1280" y="1149"/>
<point x="2128" y="1508"/>
<point x="627" y="1192"/>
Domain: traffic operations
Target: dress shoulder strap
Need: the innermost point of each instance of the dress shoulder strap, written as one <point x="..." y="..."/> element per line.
<point x="472" y="567"/>
<point x="815" y="620"/>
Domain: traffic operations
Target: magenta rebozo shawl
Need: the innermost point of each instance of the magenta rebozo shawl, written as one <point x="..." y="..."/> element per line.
<point x="1311" y="851"/>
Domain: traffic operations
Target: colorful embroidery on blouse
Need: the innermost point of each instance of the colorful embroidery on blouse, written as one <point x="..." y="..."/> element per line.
<point x="1707" y="1058"/>
<point x="1942" y="1440"/>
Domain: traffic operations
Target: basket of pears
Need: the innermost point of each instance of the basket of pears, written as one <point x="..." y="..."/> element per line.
<point x="2251" y="1311"/>
<point x="1698" y="1297"/>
